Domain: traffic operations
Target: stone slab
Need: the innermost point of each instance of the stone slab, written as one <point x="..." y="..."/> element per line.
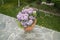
<point x="9" y="30"/>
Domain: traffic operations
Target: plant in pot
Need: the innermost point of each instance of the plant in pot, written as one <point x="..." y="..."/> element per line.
<point x="27" y="18"/>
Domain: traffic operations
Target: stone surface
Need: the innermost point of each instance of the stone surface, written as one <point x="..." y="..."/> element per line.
<point x="9" y="30"/>
<point x="56" y="36"/>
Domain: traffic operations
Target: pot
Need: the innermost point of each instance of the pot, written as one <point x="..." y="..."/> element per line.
<point x="29" y="28"/>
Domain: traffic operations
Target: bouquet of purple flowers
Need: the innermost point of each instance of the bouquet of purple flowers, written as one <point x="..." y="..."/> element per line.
<point x="27" y="16"/>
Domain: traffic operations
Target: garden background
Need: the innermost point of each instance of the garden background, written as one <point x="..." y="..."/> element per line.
<point x="49" y="20"/>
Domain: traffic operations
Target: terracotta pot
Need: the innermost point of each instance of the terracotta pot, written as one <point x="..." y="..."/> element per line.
<point x="29" y="28"/>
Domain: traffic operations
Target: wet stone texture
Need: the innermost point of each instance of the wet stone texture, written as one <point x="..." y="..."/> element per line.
<point x="9" y="30"/>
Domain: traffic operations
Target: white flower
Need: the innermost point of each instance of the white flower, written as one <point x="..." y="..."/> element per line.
<point x="34" y="11"/>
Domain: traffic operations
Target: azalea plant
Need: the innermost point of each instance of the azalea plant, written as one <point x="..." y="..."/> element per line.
<point x="27" y="16"/>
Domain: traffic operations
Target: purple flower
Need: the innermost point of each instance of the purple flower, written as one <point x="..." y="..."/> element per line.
<point x="26" y="17"/>
<point x="25" y="10"/>
<point x="24" y="24"/>
<point x="18" y="16"/>
<point x="29" y="10"/>
<point x="30" y="22"/>
<point x="21" y="16"/>
<point x="31" y="17"/>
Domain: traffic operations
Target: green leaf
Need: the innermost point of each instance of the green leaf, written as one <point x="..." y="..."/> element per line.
<point x="19" y="24"/>
<point x="34" y="14"/>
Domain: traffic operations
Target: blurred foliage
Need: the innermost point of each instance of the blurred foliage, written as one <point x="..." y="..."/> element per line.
<point x="28" y="1"/>
<point x="49" y="21"/>
<point x="38" y="2"/>
<point x="19" y="24"/>
<point x="57" y="5"/>
<point x="48" y="1"/>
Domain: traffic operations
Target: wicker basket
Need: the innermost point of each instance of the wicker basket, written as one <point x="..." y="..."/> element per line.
<point x="29" y="28"/>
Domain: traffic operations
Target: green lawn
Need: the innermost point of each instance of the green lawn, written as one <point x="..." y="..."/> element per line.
<point x="46" y="7"/>
<point x="10" y="9"/>
<point x="45" y="20"/>
<point x="48" y="20"/>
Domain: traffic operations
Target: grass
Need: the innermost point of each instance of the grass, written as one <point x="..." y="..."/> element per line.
<point x="44" y="19"/>
<point x="48" y="20"/>
<point x="10" y="9"/>
<point x="45" y="7"/>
